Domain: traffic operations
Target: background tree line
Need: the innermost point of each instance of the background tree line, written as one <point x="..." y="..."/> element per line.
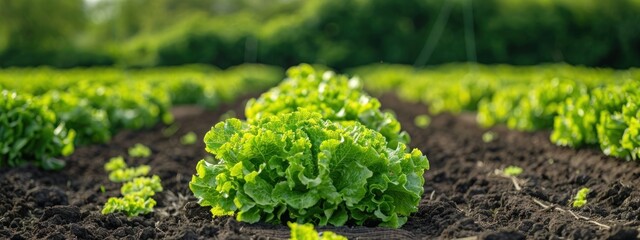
<point x="338" y="33"/>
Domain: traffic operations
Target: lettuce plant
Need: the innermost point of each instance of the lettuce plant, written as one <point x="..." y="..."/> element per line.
<point x="300" y="166"/>
<point x="136" y="192"/>
<point x="142" y="186"/>
<point x="132" y="205"/>
<point x="581" y="198"/>
<point x="513" y="171"/>
<point x="336" y="97"/>
<point x="139" y="150"/>
<point x="115" y="163"/>
<point x="189" y="138"/>
<point x="30" y="132"/>
<point x="306" y="232"/>
<point x="90" y="124"/>
<point x="126" y="174"/>
<point x="119" y="172"/>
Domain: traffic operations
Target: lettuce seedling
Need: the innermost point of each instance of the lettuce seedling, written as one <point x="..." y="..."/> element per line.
<point x="189" y="138"/>
<point x="119" y="172"/>
<point x="139" y="150"/>
<point x="512" y="171"/>
<point x="300" y="166"/>
<point x="142" y="186"/>
<point x="115" y="163"/>
<point x="126" y="174"/>
<point x="132" y="205"/>
<point x="581" y="198"/>
<point x="422" y="121"/>
<point x="306" y="232"/>
<point x="136" y="193"/>
<point x="489" y="136"/>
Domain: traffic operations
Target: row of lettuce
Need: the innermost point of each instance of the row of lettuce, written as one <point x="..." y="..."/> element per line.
<point x="46" y="112"/>
<point x="315" y="149"/>
<point x="582" y="106"/>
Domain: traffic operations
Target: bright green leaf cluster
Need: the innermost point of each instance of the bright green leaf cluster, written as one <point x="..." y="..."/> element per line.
<point x="583" y="106"/>
<point x="609" y="117"/>
<point x="139" y="150"/>
<point x="119" y="172"/>
<point x="126" y="174"/>
<point x="489" y="136"/>
<point x="115" y="163"/>
<point x="189" y="138"/>
<point x="306" y="232"/>
<point x="92" y="124"/>
<point x="94" y="104"/>
<point x="31" y="133"/>
<point x="301" y="166"/>
<point x="144" y="187"/>
<point x="422" y="121"/>
<point x="136" y="192"/>
<point x="525" y="107"/>
<point x="512" y="171"/>
<point x="336" y="97"/>
<point x="132" y="205"/>
<point x="581" y="198"/>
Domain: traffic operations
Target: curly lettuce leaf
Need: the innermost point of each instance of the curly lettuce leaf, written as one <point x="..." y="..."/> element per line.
<point x="335" y="97"/>
<point x="306" y="232"/>
<point x="300" y="166"/>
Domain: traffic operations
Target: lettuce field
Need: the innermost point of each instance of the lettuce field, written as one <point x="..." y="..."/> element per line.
<point x="456" y="151"/>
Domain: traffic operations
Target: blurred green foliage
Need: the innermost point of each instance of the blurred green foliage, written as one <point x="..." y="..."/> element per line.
<point x="337" y="33"/>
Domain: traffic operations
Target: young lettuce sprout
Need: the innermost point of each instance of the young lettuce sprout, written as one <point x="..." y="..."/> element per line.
<point x="422" y="121"/>
<point x="131" y="205"/>
<point x="581" y="198"/>
<point x="115" y="163"/>
<point x="306" y="232"/>
<point x="119" y="172"/>
<point x="126" y="174"/>
<point x="137" y="192"/>
<point x="489" y="137"/>
<point x="189" y="138"/>
<point x="512" y="171"/>
<point x="139" y="150"/>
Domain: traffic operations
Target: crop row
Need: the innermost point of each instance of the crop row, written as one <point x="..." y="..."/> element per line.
<point x="46" y="112"/>
<point x="315" y="149"/>
<point x="582" y="106"/>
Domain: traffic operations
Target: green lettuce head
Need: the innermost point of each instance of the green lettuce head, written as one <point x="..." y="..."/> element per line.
<point x="335" y="97"/>
<point x="298" y="166"/>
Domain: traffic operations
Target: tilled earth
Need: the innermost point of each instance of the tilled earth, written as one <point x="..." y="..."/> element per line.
<point x="465" y="197"/>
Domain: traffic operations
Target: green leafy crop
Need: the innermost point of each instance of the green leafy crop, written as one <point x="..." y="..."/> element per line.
<point x="30" y="132"/>
<point x="119" y="172"/>
<point x="336" y="97"/>
<point x="581" y="198"/>
<point x="126" y="174"/>
<point x="115" y="163"/>
<point x="300" y="166"/>
<point x="512" y="171"/>
<point x="139" y="150"/>
<point x="136" y="192"/>
<point x="422" y="121"/>
<point x="189" y="138"/>
<point x="608" y="117"/>
<point x="144" y="187"/>
<point x="489" y="136"/>
<point x="132" y="205"/>
<point x="306" y="232"/>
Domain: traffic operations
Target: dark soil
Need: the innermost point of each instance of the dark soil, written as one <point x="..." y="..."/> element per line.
<point x="464" y="197"/>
